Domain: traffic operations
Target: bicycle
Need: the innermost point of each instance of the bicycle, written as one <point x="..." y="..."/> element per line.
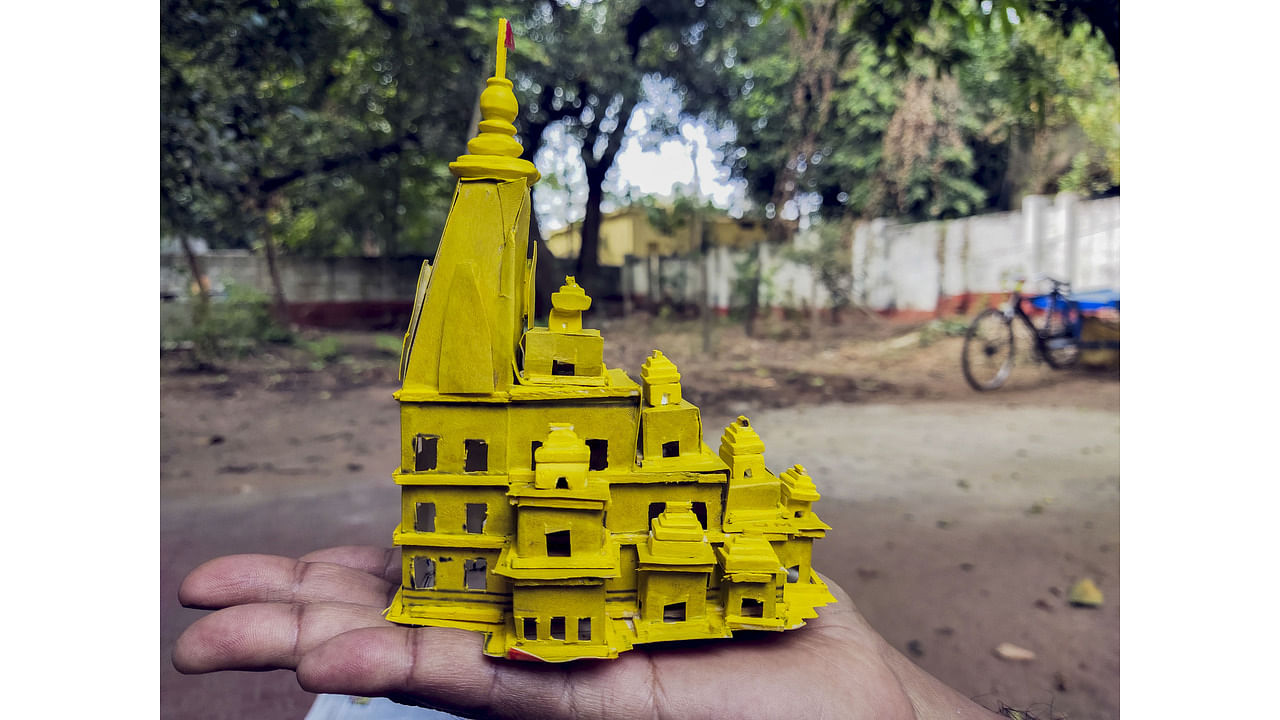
<point x="988" y="353"/>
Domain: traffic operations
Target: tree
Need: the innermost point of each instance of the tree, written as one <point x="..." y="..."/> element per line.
<point x="287" y="119"/>
<point x="584" y="69"/>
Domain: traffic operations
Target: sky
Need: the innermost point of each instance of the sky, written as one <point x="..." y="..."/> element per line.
<point x="647" y="164"/>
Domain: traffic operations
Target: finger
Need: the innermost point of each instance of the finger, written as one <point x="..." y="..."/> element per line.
<point x="266" y="636"/>
<point x="240" y="579"/>
<point x="377" y="561"/>
<point x="444" y="668"/>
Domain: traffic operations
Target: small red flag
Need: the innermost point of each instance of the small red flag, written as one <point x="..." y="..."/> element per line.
<point x="511" y="38"/>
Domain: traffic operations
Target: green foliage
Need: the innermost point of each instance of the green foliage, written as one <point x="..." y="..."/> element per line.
<point x="676" y="215"/>
<point x="929" y="110"/>
<point x="389" y="345"/>
<point x="942" y="328"/>
<point x="323" y="123"/>
<point x="323" y="350"/>
<point x="749" y="276"/>
<point x="236" y="325"/>
<point x="828" y="255"/>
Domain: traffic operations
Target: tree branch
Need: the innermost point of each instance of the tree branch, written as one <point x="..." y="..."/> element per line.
<point x="330" y="164"/>
<point x="391" y="20"/>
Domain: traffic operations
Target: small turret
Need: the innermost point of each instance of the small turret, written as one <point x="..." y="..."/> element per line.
<point x="561" y="461"/>
<point x="565" y="353"/>
<point x="671" y="428"/>
<point x="661" y="380"/>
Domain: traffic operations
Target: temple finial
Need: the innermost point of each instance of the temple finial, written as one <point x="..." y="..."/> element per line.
<point x="494" y="153"/>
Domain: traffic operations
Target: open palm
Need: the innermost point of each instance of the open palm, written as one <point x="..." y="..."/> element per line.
<point x="321" y="615"/>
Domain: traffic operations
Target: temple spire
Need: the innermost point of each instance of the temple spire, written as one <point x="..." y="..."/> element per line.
<point x="494" y="153"/>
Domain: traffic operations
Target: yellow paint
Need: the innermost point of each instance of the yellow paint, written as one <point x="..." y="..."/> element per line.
<point x="550" y="502"/>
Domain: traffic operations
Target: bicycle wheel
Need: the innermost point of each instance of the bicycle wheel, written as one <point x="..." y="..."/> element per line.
<point x="1061" y="348"/>
<point x="988" y="351"/>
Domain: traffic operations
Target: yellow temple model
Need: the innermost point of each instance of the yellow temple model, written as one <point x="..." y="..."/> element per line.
<point x="551" y="502"/>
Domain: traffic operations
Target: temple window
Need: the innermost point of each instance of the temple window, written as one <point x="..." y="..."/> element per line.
<point x="656" y="509"/>
<point x="558" y="544"/>
<point x="424" y="519"/>
<point x="475" y="574"/>
<point x="671" y="449"/>
<point x="424" y="573"/>
<point x="673" y="613"/>
<point x="599" y="454"/>
<point x="477" y="456"/>
<point x="700" y="511"/>
<point x="476" y="515"/>
<point x="424" y="452"/>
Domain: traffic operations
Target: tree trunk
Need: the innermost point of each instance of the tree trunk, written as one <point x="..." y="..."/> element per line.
<point x="597" y="168"/>
<point x="200" y="310"/>
<point x="589" y="252"/>
<point x="279" y="305"/>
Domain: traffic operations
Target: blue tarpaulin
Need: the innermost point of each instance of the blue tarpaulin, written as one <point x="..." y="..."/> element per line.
<point x="1089" y="300"/>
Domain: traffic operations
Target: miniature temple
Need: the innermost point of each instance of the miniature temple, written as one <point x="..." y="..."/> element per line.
<point x="551" y="502"/>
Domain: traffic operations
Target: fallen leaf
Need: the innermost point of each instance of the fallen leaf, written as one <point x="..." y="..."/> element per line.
<point x="1013" y="653"/>
<point x="1085" y="593"/>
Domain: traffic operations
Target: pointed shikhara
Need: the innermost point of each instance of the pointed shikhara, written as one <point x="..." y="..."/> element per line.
<point x="551" y="502"/>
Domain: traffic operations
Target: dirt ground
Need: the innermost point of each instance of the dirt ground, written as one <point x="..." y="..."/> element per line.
<point x="960" y="519"/>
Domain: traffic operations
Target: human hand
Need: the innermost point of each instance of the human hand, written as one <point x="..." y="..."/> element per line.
<point x="321" y="616"/>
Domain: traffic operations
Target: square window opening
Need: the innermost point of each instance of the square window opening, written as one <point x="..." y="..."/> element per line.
<point x="424" y="573"/>
<point x="656" y="509"/>
<point x="746" y="473"/>
<point x="559" y="367"/>
<point x="799" y="513"/>
<point x="562" y="483"/>
<point x="530" y="628"/>
<point x="475" y="574"/>
<point x="666" y="399"/>
<point x="599" y="454"/>
<point x="477" y="456"/>
<point x="424" y="452"/>
<point x="557" y="628"/>
<point x="700" y="511"/>
<point x="752" y="607"/>
<point x="424" y="519"/>
<point x="673" y="613"/>
<point x="584" y="629"/>
<point x="477" y="513"/>
<point x="558" y="544"/>
<point x="671" y="449"/>
<point x="793" y="574"/>
<point x="533" y="454"/>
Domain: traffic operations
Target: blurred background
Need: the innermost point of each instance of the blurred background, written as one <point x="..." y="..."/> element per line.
<point x="800" y="202"/>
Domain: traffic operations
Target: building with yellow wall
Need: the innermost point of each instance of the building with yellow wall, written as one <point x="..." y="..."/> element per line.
<point x="628" y="232"/>
<point x="553" y="503"/>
